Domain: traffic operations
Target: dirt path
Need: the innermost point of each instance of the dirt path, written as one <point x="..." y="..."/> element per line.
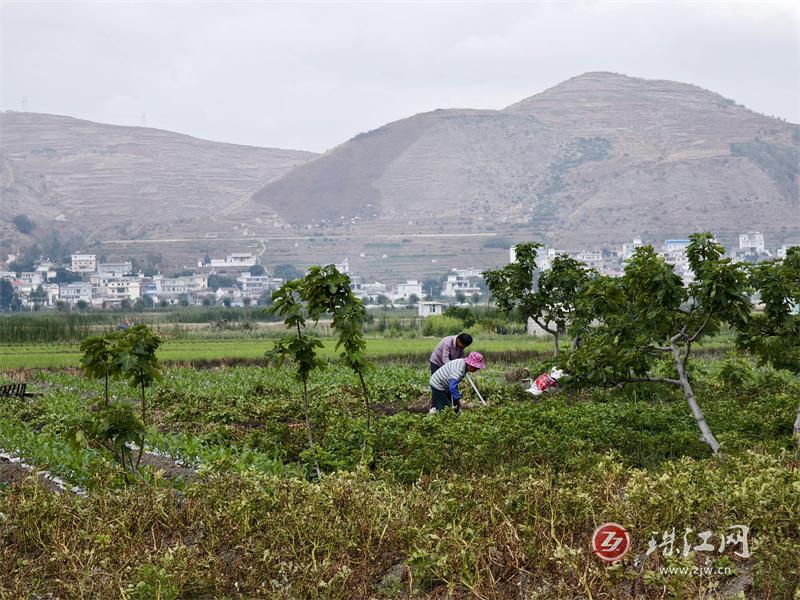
<point x="14" y="473"/>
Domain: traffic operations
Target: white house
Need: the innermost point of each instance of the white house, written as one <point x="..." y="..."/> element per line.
<point x="52" y="290"/>
<point x="176" y="286"/>
<point x="371" y="289"/>
<point x="255" y="284"/>
<point x="467" y="273"/>
<point x="117" y="269"/>
<point x="456" y="284"/>
<point x="83" y="263"/>
<point x="591" y="258"/>
<point x="118" y="289"/>
<point x="343" y="267"/>
<point x="239" y="259"/>
<point x="32" y="278"/>
<point x="675" y="246"/>
<point x="752" y="241"/>
<point x="629" y="248"/>
<point x="430" y="309"/>
<point x="73" y="292"/>
<point x="405" y="290"/>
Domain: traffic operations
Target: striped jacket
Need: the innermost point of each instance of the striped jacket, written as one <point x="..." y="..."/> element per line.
<point x="449" y="376"/>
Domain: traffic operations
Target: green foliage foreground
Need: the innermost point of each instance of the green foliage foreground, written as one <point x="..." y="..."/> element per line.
<point x="496" y="502"/>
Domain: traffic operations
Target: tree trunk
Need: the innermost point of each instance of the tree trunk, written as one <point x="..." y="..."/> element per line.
<point x="366" y="400"/>
<point x="707" y="436"/>
<point x="555" y="345"/>
<point x="144" y="423"/>
<point x="797" y="427"/>
<point x="308" y="428"/>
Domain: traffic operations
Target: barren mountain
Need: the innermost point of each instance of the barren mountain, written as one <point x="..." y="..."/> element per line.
<point x="599" y="158"/>
<point x="593" y="161"/>
<point x="110" y="181"/>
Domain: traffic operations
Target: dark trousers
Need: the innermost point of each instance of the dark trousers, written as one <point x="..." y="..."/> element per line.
<point x="441" y="399"/>
<point x="434" y="367"/>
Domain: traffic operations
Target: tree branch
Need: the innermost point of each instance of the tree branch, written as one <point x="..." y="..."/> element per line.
<point x="699" y="331"/>
<point x="647" y="380"/>
<point x="544" y="327"/>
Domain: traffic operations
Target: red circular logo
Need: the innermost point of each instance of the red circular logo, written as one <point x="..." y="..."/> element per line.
<point x="610" y="542"/>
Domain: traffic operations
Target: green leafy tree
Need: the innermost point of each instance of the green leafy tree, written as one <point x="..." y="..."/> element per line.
<point x="297" y="346"/>
<point x="137" y="363"/>
<point x="629" y="323"/>
<point x="432" y="287"/>
<point x="65" y="276"/>
<point x="773" y="335"/>
<point x="257" y="270"/>
<point x="6" y="294"/>
<point x="382" y="301"/>
<point x="217" y="281"/>
<point x="413" y="299"/>
<point x="464" y="314"/>
<point x="288" y="272"/>
<point x="322" y="291"/>
<point x="550" y="301"/>
<point x="327" y="291"/>
<point x="131" y="356"/>
<point x="23" y="224"/>
<point x="98" y="361"/>
<point x="461" y="297"/>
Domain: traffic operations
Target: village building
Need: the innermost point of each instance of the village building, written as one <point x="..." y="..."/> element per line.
<point x="83" y="263"/>
<point x="430" y="309"/>
<point x="407" y="289"/>
<point x="71" y="293"/>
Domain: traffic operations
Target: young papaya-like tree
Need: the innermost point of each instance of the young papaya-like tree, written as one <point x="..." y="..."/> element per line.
<point x="98" y="361"/>
<point x="297" y="346"/>
<point x="549" y="300"/>
<point x="629" y="323"/>
<point x="327" y="291"/>
<point x="135" y="355"/>
<point x="773" y="335"/>
<point x="114" y="425"/>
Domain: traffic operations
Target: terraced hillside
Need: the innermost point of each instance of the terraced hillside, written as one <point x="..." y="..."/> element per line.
<point x="599" y="158"/>
<point x="131" y="182"/>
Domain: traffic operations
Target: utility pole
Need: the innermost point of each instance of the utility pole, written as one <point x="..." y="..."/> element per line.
<point x="24" y="104"/>
<point x="142" y="120"/>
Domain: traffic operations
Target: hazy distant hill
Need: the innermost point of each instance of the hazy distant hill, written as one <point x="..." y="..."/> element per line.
<point x="598" y="158"/>
<point x="111" y="181"/>
<point x="595" y="160"/>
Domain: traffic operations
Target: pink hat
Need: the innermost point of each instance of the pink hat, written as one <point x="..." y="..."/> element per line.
<point x="475" y="359"/>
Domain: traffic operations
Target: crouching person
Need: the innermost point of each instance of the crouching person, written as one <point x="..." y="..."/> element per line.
<point x="444" y="382"/>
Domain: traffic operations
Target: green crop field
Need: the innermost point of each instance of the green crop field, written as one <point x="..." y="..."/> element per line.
<point x="498" y="499"/>
<point x="19" y="356"/>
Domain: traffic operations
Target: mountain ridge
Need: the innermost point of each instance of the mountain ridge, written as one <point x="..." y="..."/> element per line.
<point x="592" y="161"/>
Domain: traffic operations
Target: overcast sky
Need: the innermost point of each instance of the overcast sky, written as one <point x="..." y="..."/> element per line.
<point x="312" y="75"/>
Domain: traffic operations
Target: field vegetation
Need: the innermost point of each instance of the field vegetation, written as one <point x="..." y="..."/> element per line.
<point x="326" y="478"/>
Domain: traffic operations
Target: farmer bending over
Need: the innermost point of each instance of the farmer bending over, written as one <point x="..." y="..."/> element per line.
<point x="444" y="383"/>
<point x="450" y="348"/>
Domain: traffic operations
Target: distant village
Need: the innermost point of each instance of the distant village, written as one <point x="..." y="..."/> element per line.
<point x="239" y="280"/>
